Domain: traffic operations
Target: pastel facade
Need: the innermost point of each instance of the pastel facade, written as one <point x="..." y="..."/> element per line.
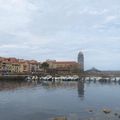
<point x="33" y="66"/>
<point x="15" y="67"/>
<point x="24" y="67"/>
<point x="9" y="68"/>
<point x="21" y="66"/>
<point x="18" y="66"/>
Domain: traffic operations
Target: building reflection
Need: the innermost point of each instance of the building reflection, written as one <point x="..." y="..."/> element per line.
<point x="81" y="89"/>
<point x="13" y="85"/>
<point x="79" y="86"/>
<point x="57" y="85"/>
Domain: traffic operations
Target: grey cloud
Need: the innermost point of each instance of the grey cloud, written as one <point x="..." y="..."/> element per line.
<point x="51" y="29"/>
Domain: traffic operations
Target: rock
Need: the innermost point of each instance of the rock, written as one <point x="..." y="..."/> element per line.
<point x="60" y="118"/>
<point x="91" y="119"/>
<point x="90" y="111"/>
<point x="106" y="111"/>
<point x="115" y="114"/>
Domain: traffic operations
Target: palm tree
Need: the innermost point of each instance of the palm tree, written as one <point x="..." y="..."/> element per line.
<point x="45" y="66"/>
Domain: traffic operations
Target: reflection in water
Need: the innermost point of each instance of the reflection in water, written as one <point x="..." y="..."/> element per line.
<point x="80" y="85"/>
<point x="81" y="89"/>
<point x="62" y="84"/>
<point x="45" y="100"/>
<point x="13" y="85"/>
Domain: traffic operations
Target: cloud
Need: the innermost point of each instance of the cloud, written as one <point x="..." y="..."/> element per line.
<point x="12" y="46"/>
<point x="44" y="29"/>
<point x="110" y="22"/>
<point x="89" y="11"/>
<point x="111" y="18"/>
<point x="15" y="15"/>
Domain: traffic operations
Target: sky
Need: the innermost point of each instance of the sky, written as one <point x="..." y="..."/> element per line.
<point x="59" y="29"/>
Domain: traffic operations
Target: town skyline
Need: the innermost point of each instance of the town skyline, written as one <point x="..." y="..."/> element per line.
<point x="80" y="59"/>
<point x="48" y="29"/>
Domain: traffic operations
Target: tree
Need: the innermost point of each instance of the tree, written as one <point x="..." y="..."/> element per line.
<point x="45" y="66"/>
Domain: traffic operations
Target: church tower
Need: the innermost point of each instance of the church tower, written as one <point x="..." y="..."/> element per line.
<point x="81" y="60"/>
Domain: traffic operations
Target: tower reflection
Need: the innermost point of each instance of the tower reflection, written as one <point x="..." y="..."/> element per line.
<point x="81" y="90"/>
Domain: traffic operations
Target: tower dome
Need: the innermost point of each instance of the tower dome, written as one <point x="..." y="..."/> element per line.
<point x="81" y="60"/>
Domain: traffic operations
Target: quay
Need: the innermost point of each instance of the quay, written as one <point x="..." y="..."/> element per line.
<point x="82" y="76"/>
<point x="13" y="77"/>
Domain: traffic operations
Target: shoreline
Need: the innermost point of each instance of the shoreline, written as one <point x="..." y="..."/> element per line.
<point x="13" y="77"/>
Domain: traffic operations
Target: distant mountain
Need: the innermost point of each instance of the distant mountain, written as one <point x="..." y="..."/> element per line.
<point x="93" y="70"/>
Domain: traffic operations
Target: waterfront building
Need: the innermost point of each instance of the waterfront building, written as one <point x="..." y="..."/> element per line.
<point x="5" y="67"/>
<point x="81" y="61"/>
<point x="51" y="64"/>
<point x="18" y="66"/>
<point x="21" y="66"/>
<point x="66" y="65"/>
<point x="0" y="67"/>
<point x="9" y="68"/>
<point x="24" y="67"/>
<point x="63" y="66"/>
<point x="33" y="66"/>
<point x="15" y="68"/>
<point x="39" y="67"/>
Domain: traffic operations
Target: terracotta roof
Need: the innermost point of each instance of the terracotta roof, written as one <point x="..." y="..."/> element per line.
<point x="65" y="62"/>
<point x="15" y="60"/>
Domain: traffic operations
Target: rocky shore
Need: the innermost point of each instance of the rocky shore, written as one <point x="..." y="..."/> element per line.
<point x="103" y="114"/>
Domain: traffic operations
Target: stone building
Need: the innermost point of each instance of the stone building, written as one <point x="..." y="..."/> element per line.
<point x="63" y="66"/>
<point x="81" y="61"/>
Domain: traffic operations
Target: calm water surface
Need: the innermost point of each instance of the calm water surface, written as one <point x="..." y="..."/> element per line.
<point x="44" y="101"/>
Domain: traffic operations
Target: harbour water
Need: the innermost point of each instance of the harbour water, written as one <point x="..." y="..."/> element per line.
<point x="47" y="100"/>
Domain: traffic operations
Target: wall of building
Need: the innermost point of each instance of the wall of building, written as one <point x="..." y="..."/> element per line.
<point x="64" y="66"/>
<point x="81" y="61"/>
